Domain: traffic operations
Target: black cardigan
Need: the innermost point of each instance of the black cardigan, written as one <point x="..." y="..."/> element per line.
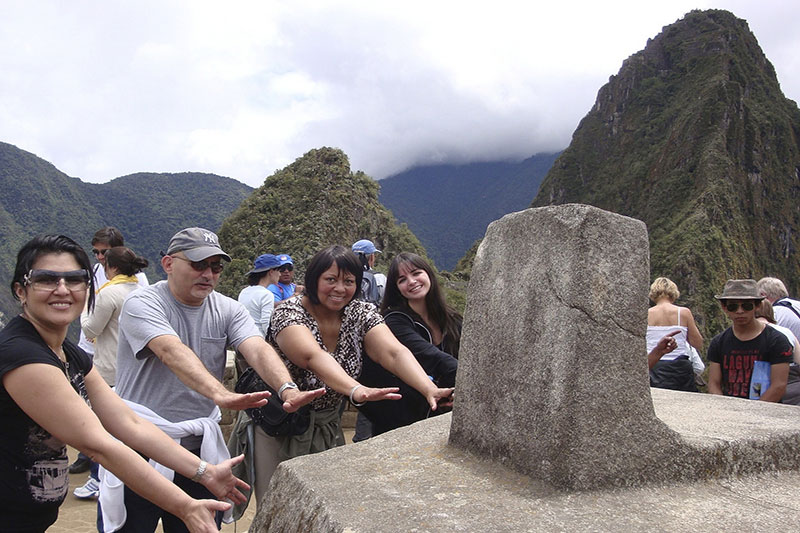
<point x="386" y="415"/>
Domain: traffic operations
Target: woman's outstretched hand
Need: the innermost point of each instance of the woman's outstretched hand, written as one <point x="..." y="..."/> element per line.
<point x="369" y="394"/>
<point x="440" y="398"/>
<point x="222" y="483"/>
<point x="199" y="515"/>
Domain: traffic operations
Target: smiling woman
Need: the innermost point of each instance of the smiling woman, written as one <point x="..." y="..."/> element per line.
<point x="323" y="336"/>
<point x="49" y="390"/>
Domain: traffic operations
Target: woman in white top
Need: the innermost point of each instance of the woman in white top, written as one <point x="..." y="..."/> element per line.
<point x="673" y="370"/>
<point x="102" y="324"/>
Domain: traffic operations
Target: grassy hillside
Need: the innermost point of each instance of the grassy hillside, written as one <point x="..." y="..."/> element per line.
<point x="37" y="198"/>
<point x="312" y="203"/>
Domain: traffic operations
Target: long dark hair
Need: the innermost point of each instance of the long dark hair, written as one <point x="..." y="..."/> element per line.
<point x="125" y="260"/>
<point x="50" y="244"/>
<point x="447" y="318"/>
<point x="344" y="258"/>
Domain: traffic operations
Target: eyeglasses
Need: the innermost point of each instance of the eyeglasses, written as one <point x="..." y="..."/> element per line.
<point x="95" y="251"/>
<point x="732" y="307"/>
<point x="201" y="266"/>
<point x="48" y="280"/>
<point x="284" y="268"/>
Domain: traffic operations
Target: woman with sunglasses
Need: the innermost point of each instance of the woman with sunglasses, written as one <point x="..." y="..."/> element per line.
<point x="324" y="335"/>
<point x="673" y="370"/>
<point x="52" y="396"/>
<point x="417" y="313"/>
<point x="733" y="353"/>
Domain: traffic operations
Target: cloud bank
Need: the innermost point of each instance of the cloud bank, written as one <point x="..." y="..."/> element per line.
<point x="241" y="89"/>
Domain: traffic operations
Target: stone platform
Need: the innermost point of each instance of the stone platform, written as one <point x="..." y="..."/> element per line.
<point x="411" y="480"/>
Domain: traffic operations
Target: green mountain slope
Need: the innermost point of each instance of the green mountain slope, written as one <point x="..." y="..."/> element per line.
<point x="449" y="206"/>
<point x="694" y="137"/>
<point x="37" y="198"/>
<point x="312" y="203"/>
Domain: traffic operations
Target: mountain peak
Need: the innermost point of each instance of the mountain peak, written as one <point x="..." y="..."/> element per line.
<point x="694" y="137"/>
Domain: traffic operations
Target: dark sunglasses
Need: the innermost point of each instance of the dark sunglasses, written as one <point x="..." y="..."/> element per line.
<point x="95" y="251"/>
<point x="732" y="307"/>
<point x="201" y="266"/>
<point x="284" y="268"/>
<point x="48" y="280"/>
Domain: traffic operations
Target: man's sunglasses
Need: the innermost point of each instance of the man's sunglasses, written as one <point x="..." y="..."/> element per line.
<point x="732" y="307"/>
<point x="95" y="251"/>
<point x="48" y="280"/>
<point x="284" y="268"/>
<point x="201" y="266"/>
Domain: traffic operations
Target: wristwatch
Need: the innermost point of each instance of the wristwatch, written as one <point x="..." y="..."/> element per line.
<point x="287" y="385"/>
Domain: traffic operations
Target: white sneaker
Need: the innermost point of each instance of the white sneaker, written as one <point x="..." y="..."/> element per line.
<point x="89" y="490"/>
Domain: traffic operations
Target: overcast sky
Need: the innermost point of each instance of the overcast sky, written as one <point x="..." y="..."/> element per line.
<point x="108" y="88"/>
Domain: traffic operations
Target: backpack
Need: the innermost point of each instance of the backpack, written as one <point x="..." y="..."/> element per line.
<point x="370" y="292"/>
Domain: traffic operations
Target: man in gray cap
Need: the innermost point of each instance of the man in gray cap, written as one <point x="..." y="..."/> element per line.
<point x="747" y="344"/>
<point x="172" y="356"/>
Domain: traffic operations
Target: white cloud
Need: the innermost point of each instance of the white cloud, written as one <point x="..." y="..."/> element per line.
<point x="243" y="88"/>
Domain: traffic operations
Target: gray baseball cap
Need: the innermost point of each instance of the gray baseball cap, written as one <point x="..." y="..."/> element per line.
<point x="196" y="244"/>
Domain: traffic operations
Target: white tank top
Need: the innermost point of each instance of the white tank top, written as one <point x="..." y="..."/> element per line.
<point x="655" y="333"/>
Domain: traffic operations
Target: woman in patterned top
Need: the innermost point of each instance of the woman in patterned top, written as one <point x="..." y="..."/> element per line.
<point x="322" y="335"/>
<point x="51" y="395"/>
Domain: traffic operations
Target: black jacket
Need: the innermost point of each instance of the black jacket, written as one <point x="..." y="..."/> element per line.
<point x="440" y="365"/>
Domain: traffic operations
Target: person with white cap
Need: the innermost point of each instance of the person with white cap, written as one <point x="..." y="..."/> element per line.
<point x="172" y="357"/>
<point x="734" y="353"/>
<point x="373" y="284"/>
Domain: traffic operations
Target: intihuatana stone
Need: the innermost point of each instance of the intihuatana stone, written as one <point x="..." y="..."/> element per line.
<point x="552" y="378"/>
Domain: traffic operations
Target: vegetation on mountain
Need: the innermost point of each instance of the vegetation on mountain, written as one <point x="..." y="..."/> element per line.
<point x="694" y="137"/>
<point x="310" y="204"/>
<point x="449" y="206"/>
<point x="37" y="198"/>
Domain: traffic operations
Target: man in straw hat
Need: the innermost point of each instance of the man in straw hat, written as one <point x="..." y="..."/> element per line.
<point x="733" y="353"/>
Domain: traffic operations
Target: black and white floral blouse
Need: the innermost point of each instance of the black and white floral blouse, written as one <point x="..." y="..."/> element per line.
<point x="359" y="317"/>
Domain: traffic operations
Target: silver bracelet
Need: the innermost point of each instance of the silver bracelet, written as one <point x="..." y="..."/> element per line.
<point x="351" y="396"/>
<point x="200" y="471"/>
<point x="287" y="385"/>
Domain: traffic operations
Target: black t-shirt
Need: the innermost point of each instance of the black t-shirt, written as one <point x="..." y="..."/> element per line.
<point x="737" y="357"/>
<point x="33" y="463"/>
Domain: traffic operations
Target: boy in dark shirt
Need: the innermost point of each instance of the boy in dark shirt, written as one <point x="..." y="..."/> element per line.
<point x="733" y="352"/>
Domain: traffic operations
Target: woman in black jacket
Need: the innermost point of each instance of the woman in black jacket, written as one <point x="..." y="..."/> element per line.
<point x="415" y="310"/>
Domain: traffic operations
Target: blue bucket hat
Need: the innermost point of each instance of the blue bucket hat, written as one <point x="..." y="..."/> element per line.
<point x="263" y="263"/>
<point x="365" y="246"/>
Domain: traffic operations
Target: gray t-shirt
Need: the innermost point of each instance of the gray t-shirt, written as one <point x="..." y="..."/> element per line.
<point x="208" y="330"/>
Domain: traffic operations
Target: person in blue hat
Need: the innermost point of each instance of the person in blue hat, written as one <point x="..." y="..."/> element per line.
<point x="284" y="288"/>
<point x="256" y="298"/>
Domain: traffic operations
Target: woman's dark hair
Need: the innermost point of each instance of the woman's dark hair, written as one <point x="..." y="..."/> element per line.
<point x="123" y="259"/>
<point x="50" y="244"/>
<point x="108" y="235"/>
<point x="255" y="277"/>
<point x="344" y="258"/>
<point x="447" y="318"/>
<point x="364" y="258"/>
